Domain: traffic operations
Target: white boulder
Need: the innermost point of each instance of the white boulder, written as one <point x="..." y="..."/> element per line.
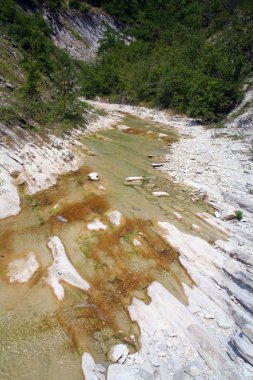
<point x="118" y="353"/>
<point x="93" y="176"/>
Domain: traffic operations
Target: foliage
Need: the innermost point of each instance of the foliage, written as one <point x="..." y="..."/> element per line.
<point x="239" y="215"/>
<point x="48" y="94"/>
<point x="188" y="55"/>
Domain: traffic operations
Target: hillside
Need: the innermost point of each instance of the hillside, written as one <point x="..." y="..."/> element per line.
<point x="41" y="51"/>
<point x="192" y="56"/>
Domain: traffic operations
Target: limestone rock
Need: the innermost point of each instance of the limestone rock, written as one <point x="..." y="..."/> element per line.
<point x="115" y="217"/>
<point x="96" y="225"/>
<point x="62" y="270"/>
<point x="133" y="181"/>
<point x="160" y="194"/>
<point x="244" y="346"/>
<point x="225" y="323"/>
<point x="118" y="353"/>
<point x="93" y="176"/>
<point x="195" y="227"/>
<point x="88" y="366"/>
<point x="248" y="331"/>
<point x="123" y="372"/>
<point x="22" y="270"/>
<point x="195" y="368"/>
<point x="228" y="214"/>
<point x="178" y="216"/>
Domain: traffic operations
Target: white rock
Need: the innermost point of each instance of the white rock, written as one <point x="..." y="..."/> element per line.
<point x="22" y="270"/>
<point x="194" y="309"/>
<point x="96" y="225"/>
<point x="160" y="194"/>
<point x="208" y="315"/>
<point x="195" y="368"/>
<point x="118" y="353"/>
<point x="195" y="227"/>
<point x="136" y="242"/>
<point x="62" y="270"/>
<point x="228" y="214"/>
<point x="245" y="347"/>
<point x="123" y="372"/>
<point x="9" y="197"/>
<point x="88" y="366"/>
<point x="93" y="176"/>
<point x="162" y="135"/>
<point x="248" y="331"/>
<point x="115" y="217"/>
<point x="225" y="323"/>
<point x="178" y="216"/>
<point x="132" y="181"/>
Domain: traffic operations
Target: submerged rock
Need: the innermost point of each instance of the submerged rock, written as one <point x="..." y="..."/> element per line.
<point x="132" y="181"/>
<point x="160" y="194"/>
<point x="22" y="270"/>
<point x="62" y="270"/>
<point x="93" y="176"/>
<point x="115" y="217"/>
<point x="96" y="225"/>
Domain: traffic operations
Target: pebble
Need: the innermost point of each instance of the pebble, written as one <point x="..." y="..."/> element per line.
<point x="194" y="309"/>
<point x="225" y="323"/>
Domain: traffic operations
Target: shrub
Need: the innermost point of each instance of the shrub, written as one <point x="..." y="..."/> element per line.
<point x="239" y="215"/>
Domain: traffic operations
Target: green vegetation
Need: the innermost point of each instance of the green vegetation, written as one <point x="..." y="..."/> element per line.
<point x="239" y="215"/>
<point x="188" y="55"/>
<point x="48" y="93"/>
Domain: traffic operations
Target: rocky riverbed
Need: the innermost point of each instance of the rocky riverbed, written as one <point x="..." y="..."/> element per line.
<point x="202" y="330"/>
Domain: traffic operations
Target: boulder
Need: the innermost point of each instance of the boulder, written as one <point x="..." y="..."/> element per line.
<point x="118" y="353"/>
<point x="88" y="367"/>
<point x="228" y="214"/>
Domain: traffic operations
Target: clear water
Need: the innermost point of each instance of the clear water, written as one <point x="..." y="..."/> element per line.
<point x="43" y="338"/>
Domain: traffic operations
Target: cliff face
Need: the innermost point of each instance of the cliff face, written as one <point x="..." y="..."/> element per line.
<point x="80" y="31"/>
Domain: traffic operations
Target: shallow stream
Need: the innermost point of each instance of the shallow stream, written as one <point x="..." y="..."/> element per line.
<point x="42" y="337"/>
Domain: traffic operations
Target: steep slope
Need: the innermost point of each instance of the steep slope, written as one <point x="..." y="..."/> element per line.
<point x="80" y="31"/>
<point x="192" y="56"/>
